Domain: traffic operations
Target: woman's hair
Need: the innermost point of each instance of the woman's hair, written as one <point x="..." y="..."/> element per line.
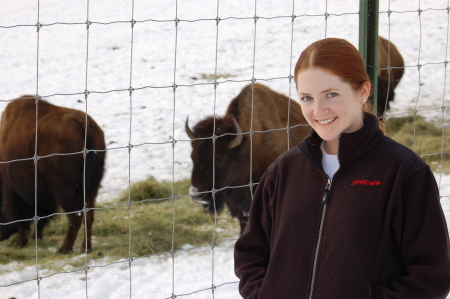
<point x="337" y="56"/>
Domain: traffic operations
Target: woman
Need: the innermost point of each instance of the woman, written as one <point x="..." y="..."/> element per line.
<point x="348" y="213"/>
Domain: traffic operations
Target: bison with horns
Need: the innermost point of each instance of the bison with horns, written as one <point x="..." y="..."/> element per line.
<point x="244" y="143"/>
<point x="390" y="70"/>
<point x="59" y="166"/>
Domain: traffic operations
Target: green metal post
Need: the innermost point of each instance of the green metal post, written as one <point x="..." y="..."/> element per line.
<point x="368" y="41"/>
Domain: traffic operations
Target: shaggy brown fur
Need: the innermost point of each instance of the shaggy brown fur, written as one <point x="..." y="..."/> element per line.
<point x="388" y="56"/>
<point x="61" y="173"/>
<point x="234" y="171"/>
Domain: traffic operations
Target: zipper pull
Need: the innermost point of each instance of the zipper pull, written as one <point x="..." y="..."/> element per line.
<point x="326" y="193"/>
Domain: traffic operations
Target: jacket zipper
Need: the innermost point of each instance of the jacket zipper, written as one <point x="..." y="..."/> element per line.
<point x="325" y="201"/>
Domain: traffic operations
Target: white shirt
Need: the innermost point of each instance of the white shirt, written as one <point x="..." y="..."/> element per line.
<point x="330" y="163"/>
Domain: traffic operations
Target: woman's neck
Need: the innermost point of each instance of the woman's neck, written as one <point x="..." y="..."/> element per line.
<point x="331" y="147"/>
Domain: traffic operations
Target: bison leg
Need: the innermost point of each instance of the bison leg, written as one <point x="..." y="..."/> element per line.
<point x="88" y="232"/>
<point x="12" y="209"/>
<point x="243" y="219"/>
<point x="22" y="238"/>
<point x="39" y="228"/>
<point x="72" y="231"/>
<point x="240" y="206"/>
<point x="240" y="211"/>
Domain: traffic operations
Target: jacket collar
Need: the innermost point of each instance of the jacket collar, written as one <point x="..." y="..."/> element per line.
<point x="351" y="145"/>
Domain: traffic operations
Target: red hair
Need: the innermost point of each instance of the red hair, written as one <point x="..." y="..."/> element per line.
<point x="337" y="56"/>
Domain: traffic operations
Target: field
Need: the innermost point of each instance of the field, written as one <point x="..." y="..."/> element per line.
<point x="141" y="82"/>
<point x="159" y="224"/>
<point x="154" y="219"/>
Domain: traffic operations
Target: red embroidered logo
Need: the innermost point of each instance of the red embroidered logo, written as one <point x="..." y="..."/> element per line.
<point x="365" y="182"/>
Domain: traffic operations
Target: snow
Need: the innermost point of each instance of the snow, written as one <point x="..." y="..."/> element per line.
<point x="150" y="277"/>
<point x="113" y="58"/>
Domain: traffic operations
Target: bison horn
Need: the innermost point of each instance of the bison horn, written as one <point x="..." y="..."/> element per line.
<point x="238" y="139"/>
<point x="188" y="130"/>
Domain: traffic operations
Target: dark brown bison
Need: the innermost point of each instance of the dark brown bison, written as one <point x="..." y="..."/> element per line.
<point x="50" y="168"/>
<point x="388" y="57"/>
<point x="223" y="172"/>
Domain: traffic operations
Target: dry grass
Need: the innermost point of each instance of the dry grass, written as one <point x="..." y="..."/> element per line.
<point x="425" y="138"/>
<point x="121" y="230"/>
<point x="153" y="221"/>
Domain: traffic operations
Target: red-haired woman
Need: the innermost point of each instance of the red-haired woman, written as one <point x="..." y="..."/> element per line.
<point x="348" y="213"/>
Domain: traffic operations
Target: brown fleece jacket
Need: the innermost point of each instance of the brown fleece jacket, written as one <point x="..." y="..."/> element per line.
<point x="378" y="231"/>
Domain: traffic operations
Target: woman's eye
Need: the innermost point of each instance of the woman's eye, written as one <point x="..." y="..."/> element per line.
<point x="306" y="99"/>
<point x="332" y="95"/>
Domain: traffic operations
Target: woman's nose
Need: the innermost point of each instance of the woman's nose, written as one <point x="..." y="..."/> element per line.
<point x="320" y="108"/>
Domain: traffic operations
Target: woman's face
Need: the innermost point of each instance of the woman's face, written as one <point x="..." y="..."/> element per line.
<point x="330" y="105"/>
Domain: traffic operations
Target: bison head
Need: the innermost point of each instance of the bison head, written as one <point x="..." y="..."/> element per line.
<point x="218" y="149"/>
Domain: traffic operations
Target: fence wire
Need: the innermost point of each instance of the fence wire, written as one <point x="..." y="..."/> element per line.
<point x="176" y="87"/>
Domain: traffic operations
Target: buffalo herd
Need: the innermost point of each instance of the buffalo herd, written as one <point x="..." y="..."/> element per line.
<point x="53" y="157"/>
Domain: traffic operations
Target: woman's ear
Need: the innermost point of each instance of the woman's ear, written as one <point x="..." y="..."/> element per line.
<point x="365" y="90"/>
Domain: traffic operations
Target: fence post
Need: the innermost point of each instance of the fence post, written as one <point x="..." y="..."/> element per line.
<point x="368" y="42"/>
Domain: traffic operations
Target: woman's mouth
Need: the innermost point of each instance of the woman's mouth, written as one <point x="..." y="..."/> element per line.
<point x="326" y="121"/>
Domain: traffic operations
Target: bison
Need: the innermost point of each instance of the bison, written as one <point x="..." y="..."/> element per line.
<point x="388" y="57"/>
<point x="223" y="172"/>
<point x="59" y="167"/>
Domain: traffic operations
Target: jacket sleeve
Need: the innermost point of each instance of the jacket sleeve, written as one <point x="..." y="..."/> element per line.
<point x="422" y="238"/>
<point x="252" y="249"/>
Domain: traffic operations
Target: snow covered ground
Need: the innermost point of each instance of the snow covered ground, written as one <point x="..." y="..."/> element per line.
<point x="63" y="60"/>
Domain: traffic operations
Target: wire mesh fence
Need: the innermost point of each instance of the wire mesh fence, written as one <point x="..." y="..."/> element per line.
<point x="140" y="69"/>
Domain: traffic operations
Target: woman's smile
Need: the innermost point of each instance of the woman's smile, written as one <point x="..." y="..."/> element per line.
<point x="326" y="121"/>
